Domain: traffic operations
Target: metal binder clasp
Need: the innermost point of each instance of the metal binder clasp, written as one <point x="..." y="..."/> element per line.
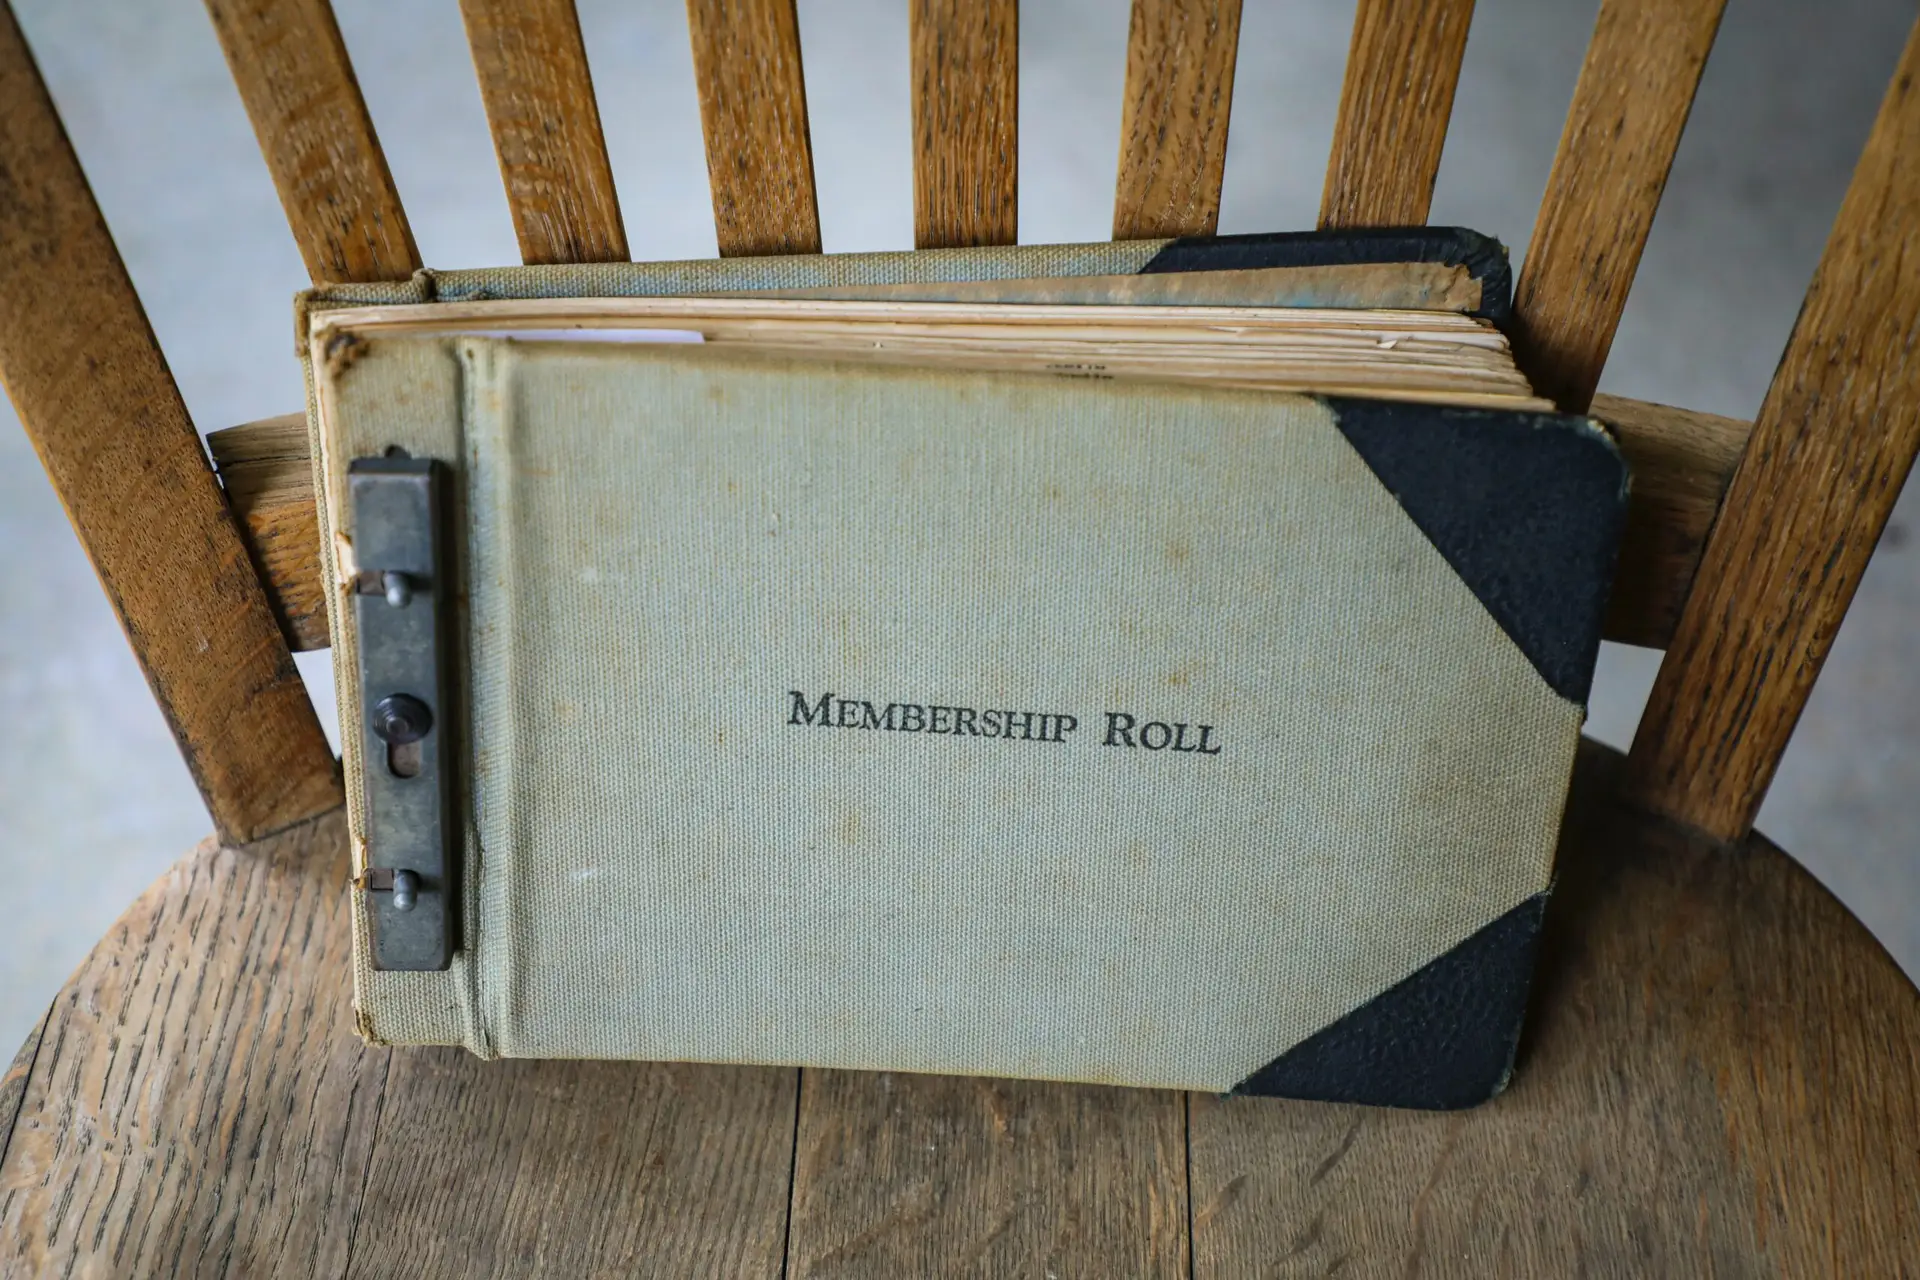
<point x="400" y="604"/>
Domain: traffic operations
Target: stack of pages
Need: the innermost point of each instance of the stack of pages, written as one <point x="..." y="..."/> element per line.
<point x="1440" y="357"/>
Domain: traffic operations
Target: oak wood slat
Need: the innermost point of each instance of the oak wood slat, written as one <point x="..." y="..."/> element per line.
<point x="98" y="403"/>
<point x="200" y="1105"/>
<point x="1629" y="107"/>
<point x="538" y="92"/>
<point x="1720" y="1075"/>
<point x="1395" y="102"/>
<point x="1173" y="126"/>
<point x="966" y="108"/>
<point x="576" y="1169"/>
<point x="753" y="111"/>
<point x="1830" y="449"/>
<point x="13" y="1084"/>
<point x="268" y="475"/>
<point x="291" y="68"/>
<point x="1681" y="462"/>
<point x="902" y="1175"/>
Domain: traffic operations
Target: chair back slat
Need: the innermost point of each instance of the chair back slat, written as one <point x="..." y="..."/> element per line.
<point x="1173" y="126"/>
<point x="291" y="68"/>
<point x="1629" y="107"/>
<point x="1395" y="103"/>
<point x="532" y="66"/>
<point x="93" y="391"/>
<point x="966" y="105"/>
<point x="1682" y="462"/>
<point x="1831" y="447"/>
<point x="753" y="113"/>
<point x="1782" y="557"/>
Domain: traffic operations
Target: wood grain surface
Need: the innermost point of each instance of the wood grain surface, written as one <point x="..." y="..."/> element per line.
<point x="1681" y="463"/>
<point x="576" y="1169"/>
<point x="1173" y="124"/>
<point x="538" y="91"/>
<point x="1721" y="1075"/>
<point x="900" y="1175"/>
<point x="1831" y="447"/>
<point x="753" y="111"/>
<point x="268" y="475"/>
<point x="1629" y="107"/>
<point x="200" y="1106"/>
<point x="966" y="109"/>
<point x="291" y="68"/>
<point x="95" y="396"/>
<point x="13" y="1084"/>
<point x="1395" y="103"/>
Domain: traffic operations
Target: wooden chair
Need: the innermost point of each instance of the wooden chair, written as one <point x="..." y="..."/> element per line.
<point x="1722" y="1070"/>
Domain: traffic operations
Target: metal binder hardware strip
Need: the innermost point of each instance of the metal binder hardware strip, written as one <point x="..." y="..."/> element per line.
<point x="400" y="601"/>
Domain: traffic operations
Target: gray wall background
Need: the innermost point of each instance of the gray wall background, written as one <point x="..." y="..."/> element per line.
<point x="94" y="801"/>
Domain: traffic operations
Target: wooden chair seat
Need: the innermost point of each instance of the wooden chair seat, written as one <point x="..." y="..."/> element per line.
<point x="1722" y="1070"/>
<point x="1721" y="1075"/>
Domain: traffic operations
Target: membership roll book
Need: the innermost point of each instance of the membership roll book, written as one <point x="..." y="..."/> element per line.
<point x="1178" y="693"/>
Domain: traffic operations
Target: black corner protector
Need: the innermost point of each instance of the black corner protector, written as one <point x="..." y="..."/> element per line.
<point x="1439" y="1040"/>
<point x="1526" y="507"/>
<point x="1484" y="257"/>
